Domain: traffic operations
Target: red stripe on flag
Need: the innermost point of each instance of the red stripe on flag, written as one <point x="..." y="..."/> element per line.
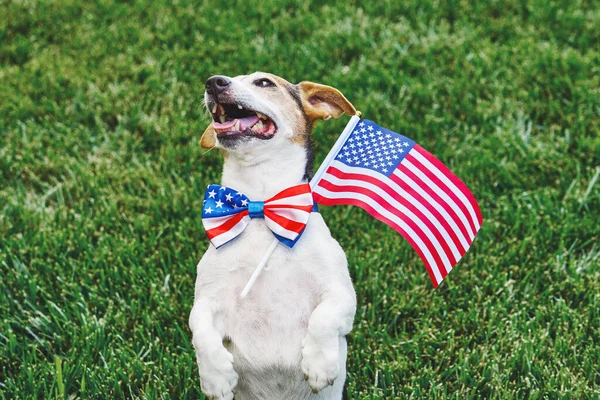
<point x="457" y="182"/>
<point x="226" y="226"/>
<point x="393" y="194"/>
<point x="465" y="229"/>
<point x="443" y="187"/>
<point x="434" y="211"/>
<point x="380" y="200"/>
<point x="429" y="190"/>
<point x="332" y="202"/>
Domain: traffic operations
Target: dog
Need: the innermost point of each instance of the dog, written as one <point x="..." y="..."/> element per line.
<point x="286" y="339"/>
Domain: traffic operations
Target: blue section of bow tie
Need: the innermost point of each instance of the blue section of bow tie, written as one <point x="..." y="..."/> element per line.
<point x="256" y="209"/>
<point x="221" y="200"/>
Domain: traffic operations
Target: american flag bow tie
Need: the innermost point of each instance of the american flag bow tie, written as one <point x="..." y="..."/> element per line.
<point x="226" y="213"/>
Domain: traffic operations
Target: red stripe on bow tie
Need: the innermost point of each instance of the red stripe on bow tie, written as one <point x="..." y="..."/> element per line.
<point x="288" y="206"/>
<point x="286" y="223"/>
<point x="292" y="191"/>
<point x="230" y="223"/>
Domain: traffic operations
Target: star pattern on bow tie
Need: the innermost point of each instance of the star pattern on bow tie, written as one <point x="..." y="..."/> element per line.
<point x="214" y="204"/>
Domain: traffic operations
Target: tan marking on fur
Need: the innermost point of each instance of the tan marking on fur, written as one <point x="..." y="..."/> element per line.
<point x="209" y="138"/>
<point x="301" y="134"/>
<point x="301" y="131"/>
<point x="324" y="102"/>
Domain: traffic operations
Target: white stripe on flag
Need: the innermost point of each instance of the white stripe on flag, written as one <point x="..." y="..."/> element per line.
<point x="441" y="176"/>
<point x="441" y="209"/>
<point x="412" y="234"/>
<point x="442" y="193"/>
<point x="403" y="210"/>
<point x="409" y="199"/>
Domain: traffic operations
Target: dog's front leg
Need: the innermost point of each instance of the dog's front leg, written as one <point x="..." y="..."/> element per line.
<point x="215" y="364"/>
<point x="330" y="320"/>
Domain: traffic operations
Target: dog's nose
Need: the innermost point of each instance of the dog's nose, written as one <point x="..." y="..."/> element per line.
<point x="216" y="84"/>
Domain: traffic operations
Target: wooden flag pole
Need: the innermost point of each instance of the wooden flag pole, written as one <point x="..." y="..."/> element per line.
<point x="313" y="182"/>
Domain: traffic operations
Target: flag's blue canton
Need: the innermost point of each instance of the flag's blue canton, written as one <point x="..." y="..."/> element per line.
<point x="220" y="200"/>
<point x="373" y="147"/>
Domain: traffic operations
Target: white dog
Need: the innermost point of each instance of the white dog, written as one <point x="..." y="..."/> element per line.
<point x="286" y="339"/>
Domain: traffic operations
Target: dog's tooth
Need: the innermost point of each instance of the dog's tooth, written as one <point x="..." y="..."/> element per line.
<point x="258" y="126"/>
<point x="222" y="118"/>
<point x="214" y="109"/>
<point x="236" y="126"/>
<point x="261" y="116"/>
<point x="239" y="106"/>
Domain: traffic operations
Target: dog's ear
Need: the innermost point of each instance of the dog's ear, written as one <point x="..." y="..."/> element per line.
<point x="209" y="138"/>
<point x="323" y="102"/>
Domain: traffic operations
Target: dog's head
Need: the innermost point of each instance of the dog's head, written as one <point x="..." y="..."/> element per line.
<point x="264" y="110"/>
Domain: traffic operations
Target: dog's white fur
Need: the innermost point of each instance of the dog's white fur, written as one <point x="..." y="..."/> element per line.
<point x="293" y="322"/>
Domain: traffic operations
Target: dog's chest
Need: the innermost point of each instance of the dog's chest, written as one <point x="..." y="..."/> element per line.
<point x="271" y="321"/>
<point x="279" y="303"/>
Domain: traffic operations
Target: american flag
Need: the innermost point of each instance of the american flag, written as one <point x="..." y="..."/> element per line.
<point x="400" y="183"/>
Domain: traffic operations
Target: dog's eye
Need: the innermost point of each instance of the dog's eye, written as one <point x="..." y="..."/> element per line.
<point x="264" y="82"/>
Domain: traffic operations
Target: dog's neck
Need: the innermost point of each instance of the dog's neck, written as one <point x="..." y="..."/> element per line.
<point x="261" y="175"/>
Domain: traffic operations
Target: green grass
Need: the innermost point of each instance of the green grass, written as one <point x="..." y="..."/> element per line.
<point x="102" y="178"/>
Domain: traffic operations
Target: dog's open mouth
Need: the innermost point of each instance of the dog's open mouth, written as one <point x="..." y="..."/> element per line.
<point x="231" y="120"/>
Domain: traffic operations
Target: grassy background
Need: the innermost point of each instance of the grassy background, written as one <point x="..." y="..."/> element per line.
<point x="102" y="177"/>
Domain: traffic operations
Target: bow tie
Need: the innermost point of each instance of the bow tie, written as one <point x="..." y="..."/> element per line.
<point x="226" y="213"/>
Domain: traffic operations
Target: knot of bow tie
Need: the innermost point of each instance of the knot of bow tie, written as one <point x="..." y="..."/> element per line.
<point x="226" y="213"/>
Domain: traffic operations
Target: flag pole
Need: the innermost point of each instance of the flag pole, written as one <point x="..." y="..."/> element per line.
<point x="334" y="150"/>
<point x="313" y="182"/>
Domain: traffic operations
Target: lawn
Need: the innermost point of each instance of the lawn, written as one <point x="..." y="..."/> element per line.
<point x="102" y="180"/>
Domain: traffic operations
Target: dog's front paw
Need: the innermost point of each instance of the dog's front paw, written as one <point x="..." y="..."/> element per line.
<point x="320" y="361"/>
<point x="218" y="379"/>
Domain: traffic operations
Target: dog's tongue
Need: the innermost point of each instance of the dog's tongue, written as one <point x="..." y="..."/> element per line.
<point x="247" y="122"/>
